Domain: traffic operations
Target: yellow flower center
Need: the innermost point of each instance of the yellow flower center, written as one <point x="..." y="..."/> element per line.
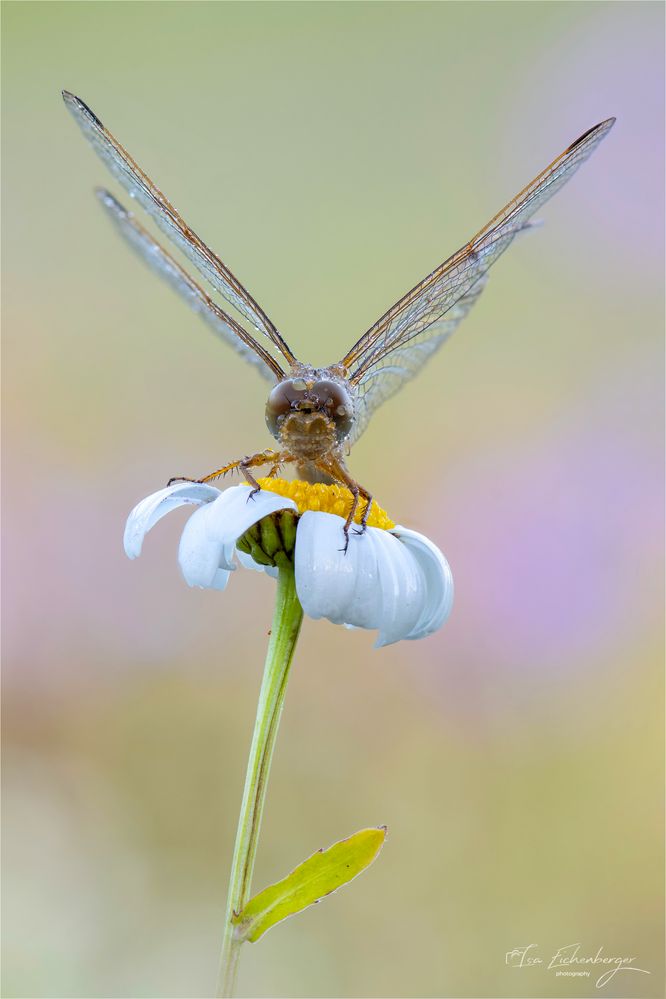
<point x="327" y="499"/>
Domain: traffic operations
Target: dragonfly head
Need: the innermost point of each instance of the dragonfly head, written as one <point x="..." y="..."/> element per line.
<point x="310" y="407"/>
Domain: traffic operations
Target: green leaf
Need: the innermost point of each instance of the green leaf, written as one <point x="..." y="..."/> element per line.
<point x="322" y="873"/>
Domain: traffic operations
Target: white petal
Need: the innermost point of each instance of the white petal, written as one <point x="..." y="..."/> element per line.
<point x="209" y="538"/>
<point x="322" y="576"/>
<point x="329" y="582"/>
<point x="146" y="514"/>
<point x="403" y="589"/>
<point x="201" y="554"/>
<point x="375" y="584"/>
<point x="365" y="600"/>
<point x="438" y="581"/>
<point x="237" y="509"/>
<point x="220" y="580"/>
<point x="397" y="582"/>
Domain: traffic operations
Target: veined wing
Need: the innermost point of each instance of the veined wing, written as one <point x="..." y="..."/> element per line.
<point x="167" y="268"/>
<point x="409" y="321"/>
<point x="387" y="371"/>
<point x="384" y="378"/>
<point x="139" y="186"/>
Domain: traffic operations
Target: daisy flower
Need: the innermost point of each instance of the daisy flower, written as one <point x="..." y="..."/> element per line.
<point x="389" y="579"/>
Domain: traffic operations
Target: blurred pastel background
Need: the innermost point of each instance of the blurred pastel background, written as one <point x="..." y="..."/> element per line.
<point x="333" y="154"/>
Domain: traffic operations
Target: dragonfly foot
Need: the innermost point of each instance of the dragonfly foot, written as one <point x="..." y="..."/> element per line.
<point x="345" y="531"/>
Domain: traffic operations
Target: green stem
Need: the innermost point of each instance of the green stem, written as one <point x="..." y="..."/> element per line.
<point x="286" y="626"/>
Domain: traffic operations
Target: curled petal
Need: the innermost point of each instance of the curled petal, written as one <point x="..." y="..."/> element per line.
<point x="331" y="583"/>
<point x="403" y="589"/>
<point x="380" y="582"/>
<point x="239" y="508"/>
<point x="437" y="578"/>
<point x="150" y="510"/>
<point x="209" y="538"/>
<point x="201" y="555"/>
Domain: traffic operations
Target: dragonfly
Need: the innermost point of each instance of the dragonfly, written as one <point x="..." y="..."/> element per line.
<point x="317" y="414"/>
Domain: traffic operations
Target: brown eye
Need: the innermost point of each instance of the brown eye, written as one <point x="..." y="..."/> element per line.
<point x="281" y="401"/>
<point x="336" y="402"/>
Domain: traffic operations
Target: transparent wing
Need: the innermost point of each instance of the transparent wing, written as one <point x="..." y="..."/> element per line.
<point x="139" y="186"/>
<point x="390" y="373"/>
<point x="166" y="267"/>
<point x="410" y="319"/>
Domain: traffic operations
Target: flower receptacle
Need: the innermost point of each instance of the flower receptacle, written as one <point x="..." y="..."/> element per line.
<point x="272" y="540"/>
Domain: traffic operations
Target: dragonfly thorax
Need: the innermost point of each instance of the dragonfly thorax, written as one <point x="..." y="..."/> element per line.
<point x="310" y="416"/>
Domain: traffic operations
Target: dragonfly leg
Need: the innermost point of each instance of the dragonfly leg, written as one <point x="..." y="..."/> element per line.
<point x="368" y="506"/>
<point x="340" y="473"/>
<point x="281" y="459"/>
<point x="261" y="458"/>
<point x="243" y="464"/>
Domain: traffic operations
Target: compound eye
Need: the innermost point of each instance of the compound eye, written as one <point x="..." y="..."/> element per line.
<point x="336" y="401"/>
<point x="281" y="401"/>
